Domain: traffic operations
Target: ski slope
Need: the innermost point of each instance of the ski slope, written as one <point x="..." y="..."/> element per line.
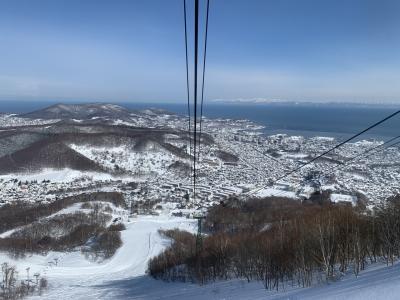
<point x="74" y="276"/>
<point x="376" y="283"/>
<point x="123" y="276"/>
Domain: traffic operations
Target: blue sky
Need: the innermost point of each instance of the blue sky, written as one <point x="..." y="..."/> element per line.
<point x="133" y="50"/>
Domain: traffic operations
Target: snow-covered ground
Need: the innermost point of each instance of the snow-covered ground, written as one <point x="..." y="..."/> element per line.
<point x="337" y="198"/>
<point x="274" y="192"/>
<point x="12" y="120"/>
<point x="71" y="276"/>
<point x="63" y="175"/>
<point x="154" y="159"/>
<point x="377" y="283"/>
<point x="78" y="278"/>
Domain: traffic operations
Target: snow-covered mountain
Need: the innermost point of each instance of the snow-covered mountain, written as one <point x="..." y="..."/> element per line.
<point x="44" y="137"/>
<point x="80" y="111"/>
<point x="100" y="113"/>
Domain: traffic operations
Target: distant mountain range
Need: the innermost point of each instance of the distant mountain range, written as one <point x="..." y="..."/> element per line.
<point x="251" y="101"/>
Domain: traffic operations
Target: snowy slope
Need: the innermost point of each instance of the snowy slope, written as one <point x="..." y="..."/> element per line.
<point x="63" y="175"/>
<point x="268" y="192"/>
<point x="76" y="277"/>
<point x="123" y="276"/>
<point x="153" y="160"/>
<point x="379" y="283"/>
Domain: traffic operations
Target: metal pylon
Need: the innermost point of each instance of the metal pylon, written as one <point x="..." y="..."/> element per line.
<point x="199" y="237"/>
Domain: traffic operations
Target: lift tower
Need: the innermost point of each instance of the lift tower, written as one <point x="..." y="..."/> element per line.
<point x="199" y="237"/>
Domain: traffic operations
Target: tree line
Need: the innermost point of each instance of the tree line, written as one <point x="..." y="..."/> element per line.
<point x="21" y="213"/>
<point x="63" y="232"/>
<point x="11" y="288"/>
<point x="280" y="241"/>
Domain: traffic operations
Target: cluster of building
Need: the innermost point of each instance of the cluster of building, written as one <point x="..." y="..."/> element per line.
<point x="259" y="161"/>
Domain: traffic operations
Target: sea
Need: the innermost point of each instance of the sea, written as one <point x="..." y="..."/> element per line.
<point x="307" y="119"/>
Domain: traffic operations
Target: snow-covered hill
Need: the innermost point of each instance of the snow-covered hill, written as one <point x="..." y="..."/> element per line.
<point x="94" y="111"/>
<point x="79" y="111"/>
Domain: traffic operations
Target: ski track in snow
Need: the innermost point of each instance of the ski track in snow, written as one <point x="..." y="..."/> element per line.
<point x="77" y="278"/>
<point x="124" y="275"/>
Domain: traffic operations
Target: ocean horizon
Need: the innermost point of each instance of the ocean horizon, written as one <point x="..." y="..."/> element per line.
<point x="339" y="120"/>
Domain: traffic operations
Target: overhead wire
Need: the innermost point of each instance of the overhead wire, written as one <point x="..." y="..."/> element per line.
<point x="388" y="146"/>
<point x="187" y="79"/>
<point x="335" y="147"/>
<point x="204" y="71"/>
<point x="358" y="156"/>
<point x="196" y="154"/>
<point x="196" y="50"/>
<point x="369" y="150"/>
<point x="194" y="147"/>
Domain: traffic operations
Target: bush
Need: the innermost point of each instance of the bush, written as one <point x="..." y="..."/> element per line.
<point x="107" y="243"/>
<point x="66" y="232"/>
<point x="43" y="284"/>
<point x="116" y="227"/>
<point x="20" y="214"/>
<point x="13" y="288"/>
<point x="276" y="241"/>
